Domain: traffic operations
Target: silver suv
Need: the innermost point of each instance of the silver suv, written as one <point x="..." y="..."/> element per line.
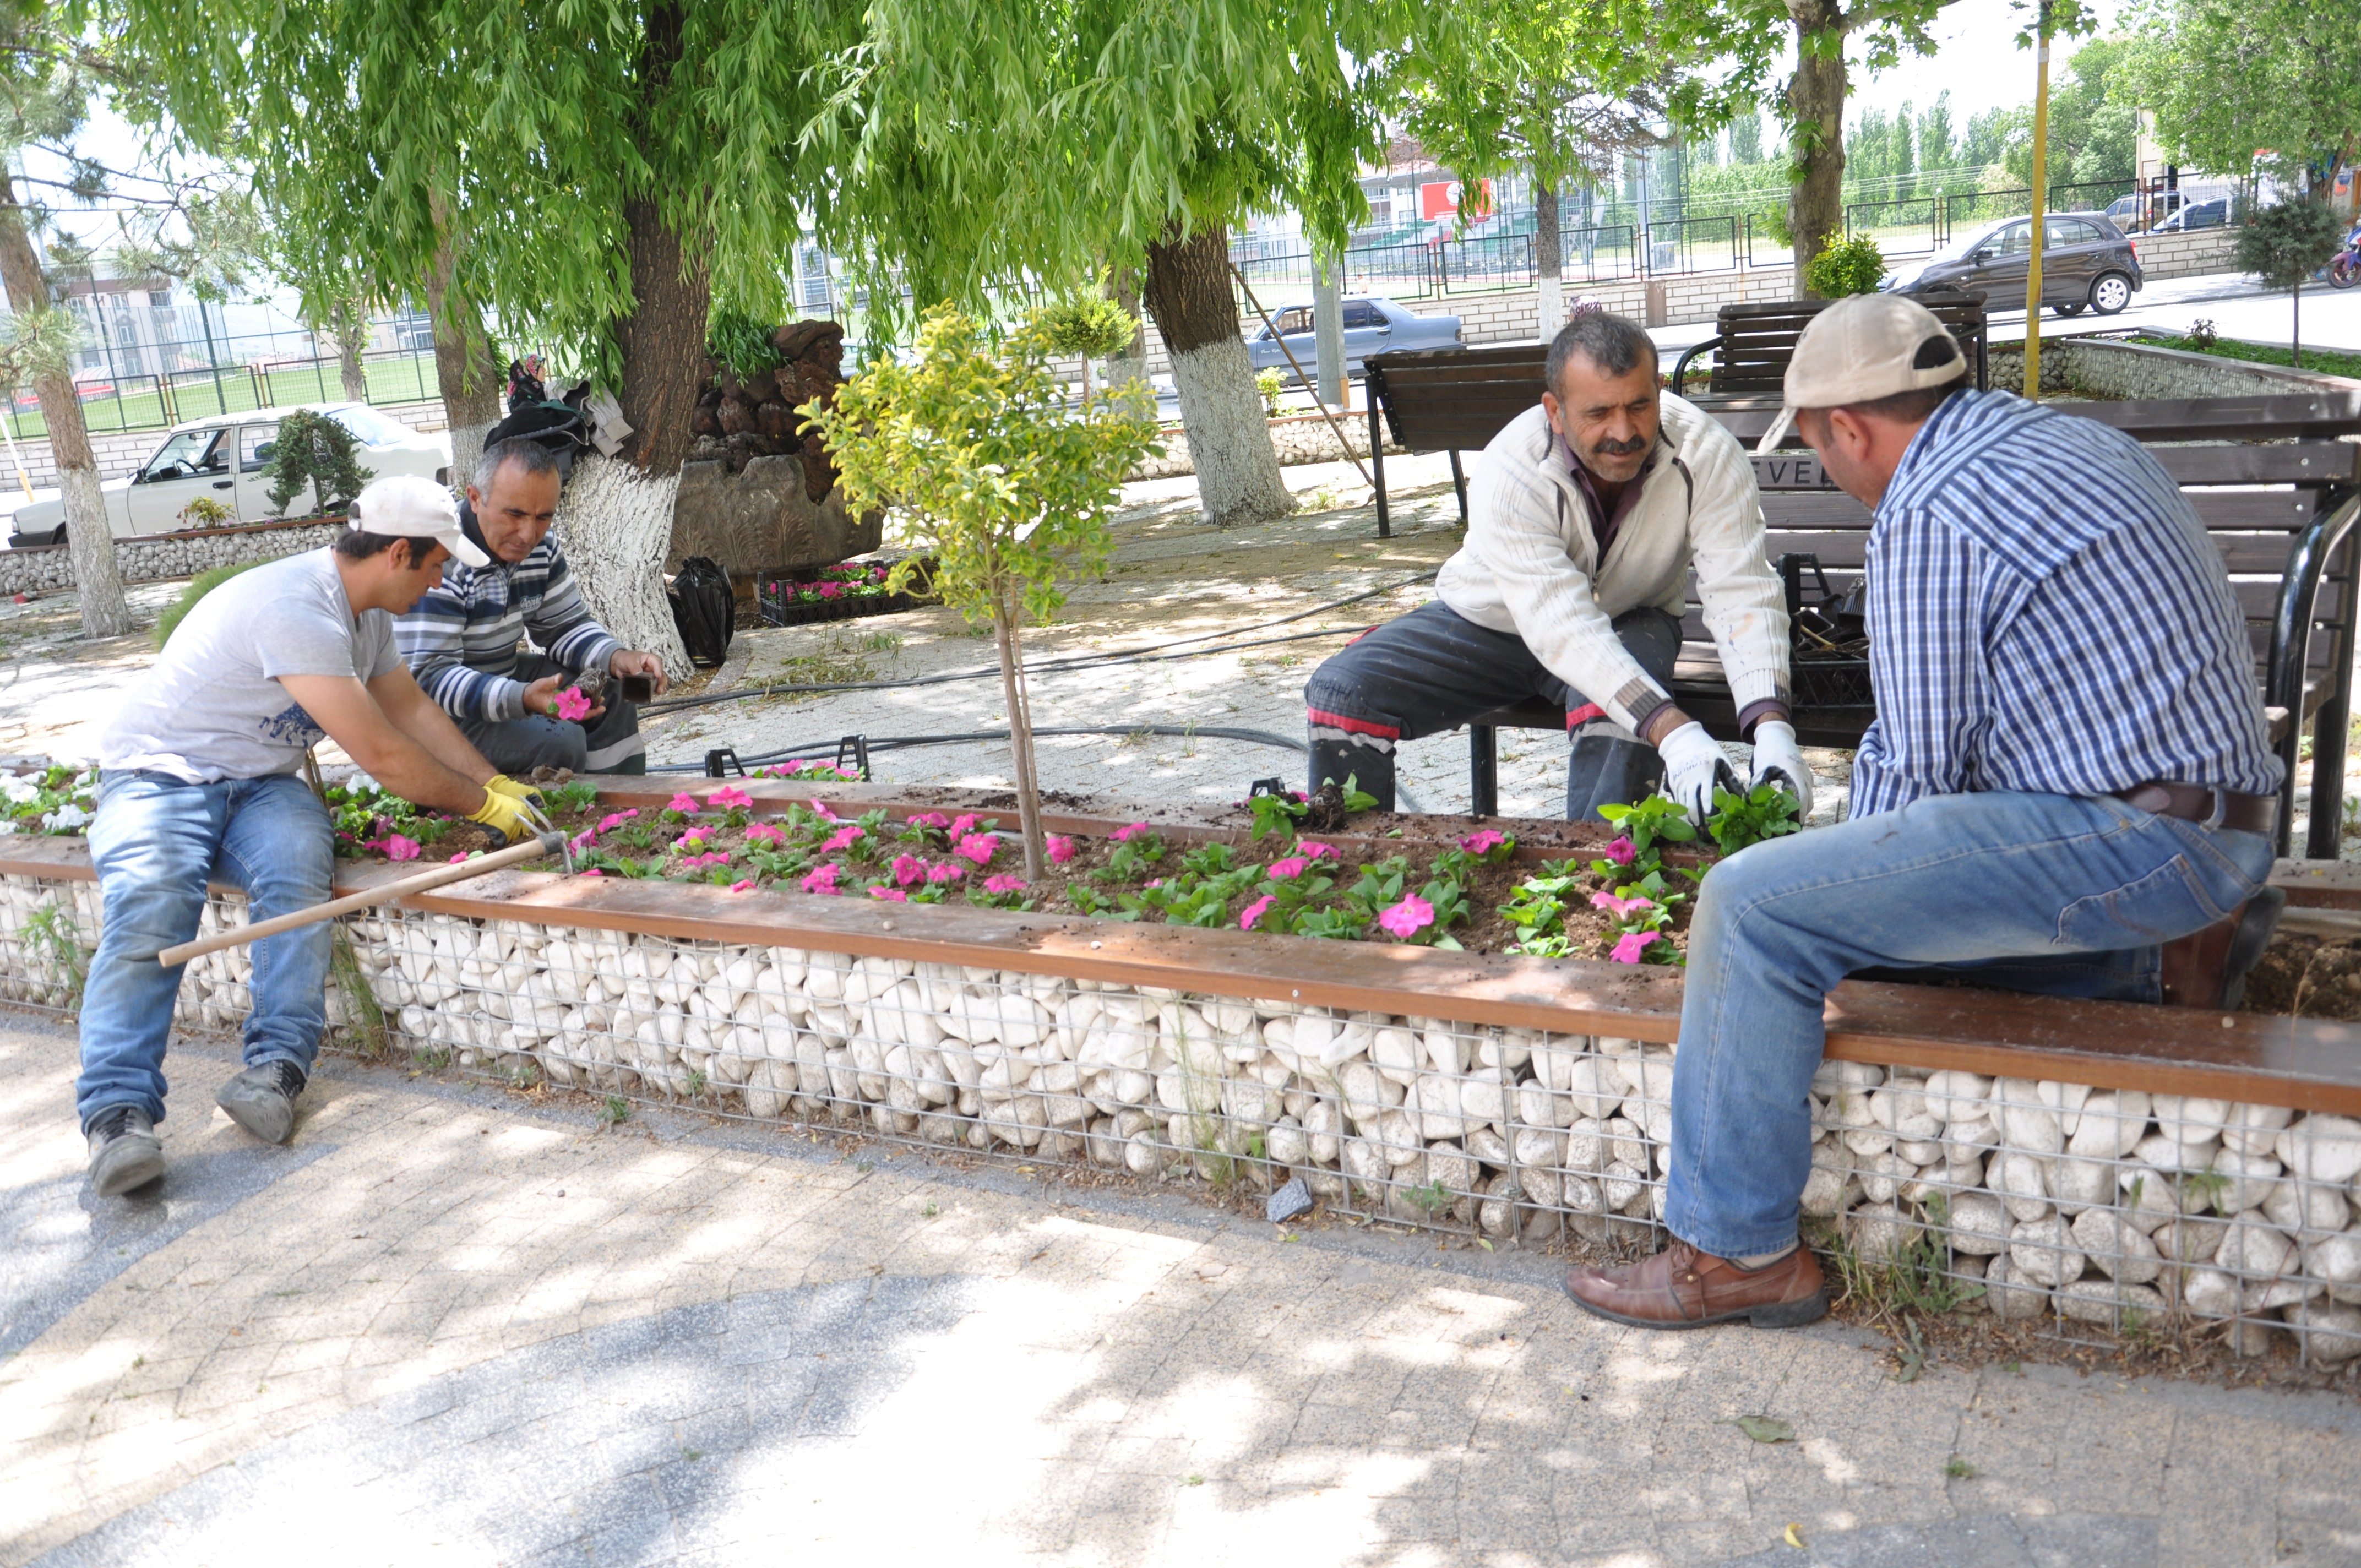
<point x="2085" y="262"/>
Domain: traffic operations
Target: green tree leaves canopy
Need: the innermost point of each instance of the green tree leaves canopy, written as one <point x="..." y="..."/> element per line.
<point x="2229" y="77"/>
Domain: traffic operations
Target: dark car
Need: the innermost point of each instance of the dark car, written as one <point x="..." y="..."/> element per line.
<point x="2085" y="261"/>
<point x="1372" y="325"/>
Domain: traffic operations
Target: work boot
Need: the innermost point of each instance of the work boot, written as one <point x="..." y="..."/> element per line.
<point x="262" y="1100"/>
<point x="2209" y="968"/>
<point x="125" y="1152"/>
<point x="1681" y="1287"/>
<point x="1609" y="767"/>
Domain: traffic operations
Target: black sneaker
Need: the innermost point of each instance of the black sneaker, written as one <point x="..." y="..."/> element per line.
<point x="262" y="1100"/>
<point x="125" y="1152"/>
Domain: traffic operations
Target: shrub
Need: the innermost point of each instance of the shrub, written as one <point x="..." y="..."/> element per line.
<point x="1846" y="267"/>
<point x="206" y="513"/>
<point x="1273" y="387"/>
<point x="737" y="340"/>
<point x="1087" y="324"/>
<point x="312" y="448"/>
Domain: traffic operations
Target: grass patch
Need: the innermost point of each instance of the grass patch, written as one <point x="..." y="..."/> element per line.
<point x="2326" y="361"/>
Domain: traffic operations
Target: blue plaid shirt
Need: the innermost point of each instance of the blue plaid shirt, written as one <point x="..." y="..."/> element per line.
<point x="2046" y="614"/>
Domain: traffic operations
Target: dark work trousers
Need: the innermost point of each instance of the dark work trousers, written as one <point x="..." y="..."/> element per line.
<point x="609" y="744"/>
<point x="1435" y="669"/>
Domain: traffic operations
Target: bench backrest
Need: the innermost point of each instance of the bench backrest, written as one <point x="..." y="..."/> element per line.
<point x="1755" y="341"/>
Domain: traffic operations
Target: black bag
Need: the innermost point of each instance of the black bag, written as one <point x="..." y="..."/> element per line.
<point x="704" y="610"/>
<point x="559" y="427"/>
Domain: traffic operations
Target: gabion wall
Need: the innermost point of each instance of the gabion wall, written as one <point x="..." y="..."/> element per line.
<point x="2067" y="1204"/>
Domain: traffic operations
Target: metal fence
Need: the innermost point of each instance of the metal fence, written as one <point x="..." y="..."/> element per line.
<point x="158" y="402"/>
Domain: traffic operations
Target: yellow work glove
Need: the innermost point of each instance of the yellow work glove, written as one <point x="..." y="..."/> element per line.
<point x="512" y="819"/>
<point x="517" y="789"/>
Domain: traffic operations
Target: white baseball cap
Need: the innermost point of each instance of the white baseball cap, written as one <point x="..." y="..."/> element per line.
<point x="408" y="506"/>
<point x="1860" y="349"/>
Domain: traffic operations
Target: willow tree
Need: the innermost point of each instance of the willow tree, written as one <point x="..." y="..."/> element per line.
<point x="966" y="148"/>
<point x="592" y="174"/>
<point x="1562" y="89"/>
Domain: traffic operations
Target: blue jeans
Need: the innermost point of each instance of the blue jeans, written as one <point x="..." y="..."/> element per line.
<point x="2054" y="893"/>
<point x="156" y="842"/>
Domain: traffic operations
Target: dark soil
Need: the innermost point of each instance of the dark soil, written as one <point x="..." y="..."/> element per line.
<point x="2307" y="977"/>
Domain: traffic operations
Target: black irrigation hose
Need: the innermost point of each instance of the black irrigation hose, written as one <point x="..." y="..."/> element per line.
<point x="906" y="742"/>
<point x="1053" y="666"/>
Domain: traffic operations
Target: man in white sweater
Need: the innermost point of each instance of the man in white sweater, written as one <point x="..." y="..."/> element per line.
<point x="1584" y="518"/>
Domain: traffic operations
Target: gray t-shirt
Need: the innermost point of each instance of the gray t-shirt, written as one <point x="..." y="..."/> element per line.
<point x="213" y="707"/>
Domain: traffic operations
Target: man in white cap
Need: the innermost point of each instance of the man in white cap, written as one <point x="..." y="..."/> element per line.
<point x="2069" y="788"/>
<point x="200" y="778"/>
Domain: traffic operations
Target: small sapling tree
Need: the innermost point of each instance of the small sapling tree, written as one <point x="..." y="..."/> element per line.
<point x="1846" y="266"/>
<point x="996" y="479"/>
<point x="1085" y="323"/>
<point x="312" y="448"/>
<point x="2288" y="243"/>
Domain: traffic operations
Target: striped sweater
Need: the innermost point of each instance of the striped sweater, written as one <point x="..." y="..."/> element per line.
<point x="460" y="638"/>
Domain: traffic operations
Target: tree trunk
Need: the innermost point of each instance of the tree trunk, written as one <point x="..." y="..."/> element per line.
<point x="1549" y="259"/>
<point x="1131" y="365"/>
<point x="1815" y="101"/>
<point x="351" y="326"/>
<point x="615" y="523"/>
<point x="2295" y="344"/>
<point x="465" y="371"/>
<point x="1020" y="730"/>
<point x="1328" y="326"/>
<point x="663" y="339"/>
<point x="97" y="579"/>
<point x="1189" y="294"/>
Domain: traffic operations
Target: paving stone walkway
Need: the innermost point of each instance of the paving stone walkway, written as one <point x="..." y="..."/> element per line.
<point x="454" y="1326"/>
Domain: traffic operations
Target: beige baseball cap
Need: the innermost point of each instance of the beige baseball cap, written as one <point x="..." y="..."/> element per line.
<point x="409" y="507"/>
<point x="1860" y="349"/>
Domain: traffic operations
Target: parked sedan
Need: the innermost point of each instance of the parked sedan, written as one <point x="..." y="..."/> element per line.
<point x="2085" y="261"/>
<point x="2196" y="215"/>
<point x="223" y="459"/>
<point x="1372" y="325"/>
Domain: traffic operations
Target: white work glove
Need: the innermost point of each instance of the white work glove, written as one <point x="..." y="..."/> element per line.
<point x="1695" y="764"/>
<point x="1778" y="761"/>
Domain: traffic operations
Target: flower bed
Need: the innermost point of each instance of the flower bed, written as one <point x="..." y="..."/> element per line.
<point x="833" y="593"/>
<point x="1508" y="1098"/>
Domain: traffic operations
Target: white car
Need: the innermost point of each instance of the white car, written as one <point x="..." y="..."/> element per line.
<point x="222" y="459"/>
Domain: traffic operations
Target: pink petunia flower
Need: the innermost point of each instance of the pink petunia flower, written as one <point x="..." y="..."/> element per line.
<point x="1620" y="851"/>
<point x="1124" y="835"/>
<point x="908" y="869"/>
<point x="1316" y="851"/>
<point x="398" y="848"/>
<point x="1062" y="849"/>
<point x="824" y="879"/>
<point x="1254" y="912"/>
<point x="820" y="810"/>
<point x="950" y="870"/>
<point x="728" y="797"/>
<point x="1631" y="944"/>
<point x="978" y="847"/>
<point x="1408" y="918"/>
<point x="572" y="705"/>
<point x="763" y="833"/>
<point x="457" y="858"/>
<point x="843" y="838"/>
<point x="690" y="841"/>
<point x="1293" y="866"/>
<point x="1620" y="907"/>
<point x="930" y="819"/>
<point x="1004" y="883"/>
<point x="960" y="827"/>
<point x="684" y="801"/>
<point x="593" y="871"/>
<point x="613" y="820"/>
<point x="1482" y="841"/>
<point x="896" y="893"/>
<point x="831" y="590"/>
<point x="745" y="886"/>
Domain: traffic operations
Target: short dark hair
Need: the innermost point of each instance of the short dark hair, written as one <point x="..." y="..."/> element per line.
<point x="360" y="544"/>
<point x="535" y="458"/>
<point x="1614" y="344"/>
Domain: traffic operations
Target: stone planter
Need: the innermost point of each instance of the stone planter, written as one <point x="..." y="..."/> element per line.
<point x="1517" y="1100"/>
<point x="763" y="520"/>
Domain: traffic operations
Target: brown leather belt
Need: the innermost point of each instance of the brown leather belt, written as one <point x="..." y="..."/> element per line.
<point x="2193" y="803"/>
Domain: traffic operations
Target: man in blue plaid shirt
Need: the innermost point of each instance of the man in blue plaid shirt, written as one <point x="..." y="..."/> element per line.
<point x="2069" y="788"/>
<point x="461" y="640"/>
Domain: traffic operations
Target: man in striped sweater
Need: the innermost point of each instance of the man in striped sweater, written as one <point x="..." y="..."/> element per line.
<point x="461" y="640"/>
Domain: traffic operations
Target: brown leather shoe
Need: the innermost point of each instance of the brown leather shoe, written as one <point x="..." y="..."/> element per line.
<point x="1681" y="1287"/>
<point x="2209" y="968"/>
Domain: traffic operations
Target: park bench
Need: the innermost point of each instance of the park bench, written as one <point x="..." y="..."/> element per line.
<point x="1751" y="343"/>
<point x="2278" y="490"/>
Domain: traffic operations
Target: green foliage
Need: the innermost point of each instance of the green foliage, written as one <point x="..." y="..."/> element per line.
<point x="740" y="341"/>
<point x="1084" y="322"/>
<point x="206" y="513"/>
<point x="54" y="939"/>
<point x="201" y="585"/>
<point x="2288" y="243"/>
<point x="1272" y="385"/>
<point x="1763" y="812"/>
<point x="614" y="1111"/>
<point x="364" y="1015"/>
<point x="312" y="448"/>
<point x="1845" y="267"/>
<point x="2093" y="129"/>
<point x="2226" y="77"/>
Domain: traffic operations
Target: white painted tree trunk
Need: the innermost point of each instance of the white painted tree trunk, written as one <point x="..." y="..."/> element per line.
<point x="90" y="543"/>
<point x="1551" y="292"/>
<point x="467" y="448"/>
<point x="616" y="527"/>
<point x="1229" y="435"/>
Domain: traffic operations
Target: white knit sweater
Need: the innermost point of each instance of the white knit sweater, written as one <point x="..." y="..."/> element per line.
<point x="1530" y="567"/>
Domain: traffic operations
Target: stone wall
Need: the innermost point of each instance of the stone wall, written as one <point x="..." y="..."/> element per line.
<point x="2112" y="368"/>
<point x="2051" y="1201"/>
<point x="48" y="567"/>
<point x="1299" y="438"/>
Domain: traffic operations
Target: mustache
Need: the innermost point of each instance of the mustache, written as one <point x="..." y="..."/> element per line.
<point x="1611" y="448"/>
